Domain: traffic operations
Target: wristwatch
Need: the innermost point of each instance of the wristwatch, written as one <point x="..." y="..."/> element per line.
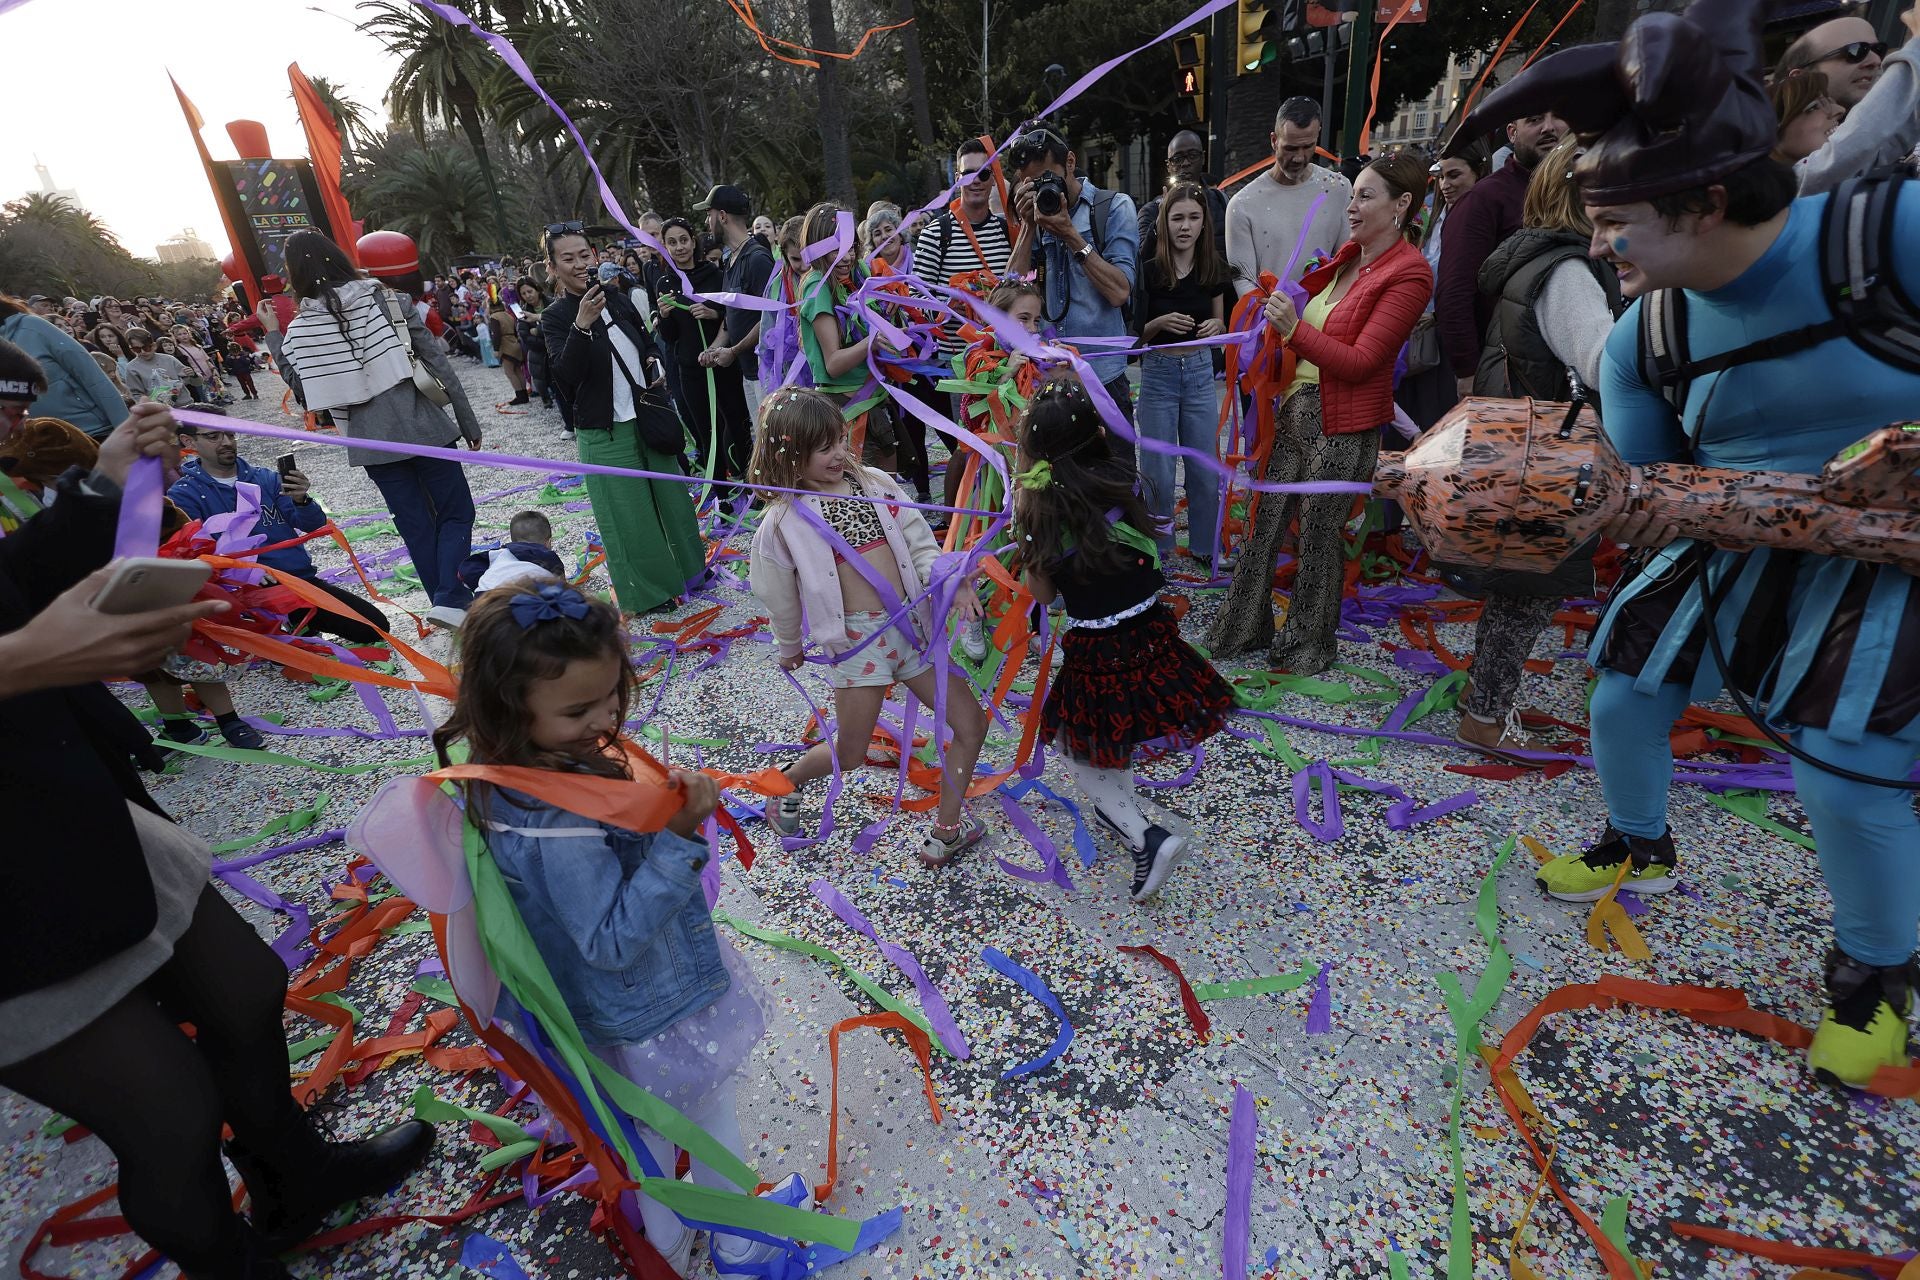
<point x="1084" y="251"/>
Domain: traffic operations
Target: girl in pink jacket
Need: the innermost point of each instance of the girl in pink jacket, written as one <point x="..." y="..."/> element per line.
<point x="851" y="574"/>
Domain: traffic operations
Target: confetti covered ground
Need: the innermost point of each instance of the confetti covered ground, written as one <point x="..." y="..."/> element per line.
<point x="1112" y="1161"/>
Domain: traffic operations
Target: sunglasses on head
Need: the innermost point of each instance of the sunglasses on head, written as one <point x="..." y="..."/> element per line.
<point x="1856" y="52"/>
<point x="557" y="229"/>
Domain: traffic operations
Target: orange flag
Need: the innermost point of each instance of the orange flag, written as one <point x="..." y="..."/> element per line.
<point x="324" y="151"/>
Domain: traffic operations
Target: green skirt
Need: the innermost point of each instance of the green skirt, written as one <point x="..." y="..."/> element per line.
<point x="654" y="551"/>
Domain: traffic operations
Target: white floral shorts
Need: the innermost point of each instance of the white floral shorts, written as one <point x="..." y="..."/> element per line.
<point x="891" y="657"/>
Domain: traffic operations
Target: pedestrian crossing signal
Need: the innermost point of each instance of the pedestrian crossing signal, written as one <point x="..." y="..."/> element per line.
<point x="1192" y="104"/>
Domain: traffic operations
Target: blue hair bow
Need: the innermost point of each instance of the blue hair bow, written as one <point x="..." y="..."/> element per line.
<point x="550" y="602"/>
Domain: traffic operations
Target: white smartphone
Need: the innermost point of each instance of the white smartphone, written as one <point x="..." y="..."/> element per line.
<point x="141" y="584"/>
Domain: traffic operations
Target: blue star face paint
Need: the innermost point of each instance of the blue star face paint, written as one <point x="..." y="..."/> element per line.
<point x="1620" y="244"/>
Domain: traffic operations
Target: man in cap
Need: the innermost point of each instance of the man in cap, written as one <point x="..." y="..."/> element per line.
<point x="1703" y="228"/>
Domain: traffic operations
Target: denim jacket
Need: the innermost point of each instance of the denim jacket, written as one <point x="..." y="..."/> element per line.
<point x="618" y="917"/>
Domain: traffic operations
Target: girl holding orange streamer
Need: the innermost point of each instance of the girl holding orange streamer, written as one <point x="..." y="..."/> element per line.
<point x="618" y="916"/>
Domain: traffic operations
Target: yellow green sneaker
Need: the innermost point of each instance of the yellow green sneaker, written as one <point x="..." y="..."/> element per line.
<point x="1864" y="1026"/>
<point x="1586" y="877"/>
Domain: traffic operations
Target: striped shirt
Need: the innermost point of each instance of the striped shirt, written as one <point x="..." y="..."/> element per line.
<point x="944" y="251"/>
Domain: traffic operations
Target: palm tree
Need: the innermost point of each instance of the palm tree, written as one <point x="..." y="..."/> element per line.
<point x="836" y="152"/>
<point x="427" y="191"/>
<point x="446" y="74"/>
<point x="352" y="119"/>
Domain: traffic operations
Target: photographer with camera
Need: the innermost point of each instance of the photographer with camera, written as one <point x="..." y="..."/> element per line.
<point x="1088" y="245"/>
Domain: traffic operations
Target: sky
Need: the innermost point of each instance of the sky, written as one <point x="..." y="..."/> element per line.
<point x="87" y="93"/>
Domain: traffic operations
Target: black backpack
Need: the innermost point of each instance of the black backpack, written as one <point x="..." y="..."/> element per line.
<point x="1858" y="279"/>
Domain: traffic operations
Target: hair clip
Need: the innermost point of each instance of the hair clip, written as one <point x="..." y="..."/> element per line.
<point x="1036" y="477"/>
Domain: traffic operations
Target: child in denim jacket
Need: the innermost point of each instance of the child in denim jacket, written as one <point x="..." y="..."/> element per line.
<point x="618" y="917"/>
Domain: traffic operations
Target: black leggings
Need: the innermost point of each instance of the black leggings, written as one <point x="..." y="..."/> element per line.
<point x="157" y="1098"/>
<point x="340" y="626"/>
<point x="912" y="433"/>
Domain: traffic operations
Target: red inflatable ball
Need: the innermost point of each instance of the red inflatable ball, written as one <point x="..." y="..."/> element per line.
<point x="388" y="253"/>
<point x="230" y="268"/>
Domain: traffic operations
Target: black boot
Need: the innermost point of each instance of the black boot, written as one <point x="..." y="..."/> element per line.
<point x="252" y="1257"/>
<point x="293" y="1185"/>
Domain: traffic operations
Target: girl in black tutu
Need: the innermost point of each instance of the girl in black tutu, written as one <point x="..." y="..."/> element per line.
<point x="1084" y="533"/>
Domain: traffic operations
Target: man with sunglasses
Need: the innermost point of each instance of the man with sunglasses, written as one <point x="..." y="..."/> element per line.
<point x="1848" y="51"/>
<point x="1882" y="127"/>
<point x="1186" y="162"/>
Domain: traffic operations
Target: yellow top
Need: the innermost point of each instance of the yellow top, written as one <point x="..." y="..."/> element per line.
<point x="1319" y="307"/>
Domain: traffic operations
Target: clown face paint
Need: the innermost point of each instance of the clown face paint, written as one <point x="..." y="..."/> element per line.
<point x="1642" y="248"/>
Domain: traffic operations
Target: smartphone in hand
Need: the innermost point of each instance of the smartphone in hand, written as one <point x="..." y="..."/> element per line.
<point x="141" y="584"/>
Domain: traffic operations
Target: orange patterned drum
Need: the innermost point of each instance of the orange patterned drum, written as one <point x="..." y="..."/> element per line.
<point x="1519" y="484"/>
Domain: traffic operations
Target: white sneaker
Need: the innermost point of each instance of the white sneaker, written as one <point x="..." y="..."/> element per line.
<point x="679" y="1255"/>
<point x="973" y="640"/>
<point x="447" y="616"/>
<point x="732" y="1254"/>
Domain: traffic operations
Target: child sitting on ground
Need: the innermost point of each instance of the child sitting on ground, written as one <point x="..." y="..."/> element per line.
<point x="835" y="558"/>
<point x="528" y="556"/>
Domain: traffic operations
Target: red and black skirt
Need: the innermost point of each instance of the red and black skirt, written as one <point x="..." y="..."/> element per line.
<point x="1133" y="683"/>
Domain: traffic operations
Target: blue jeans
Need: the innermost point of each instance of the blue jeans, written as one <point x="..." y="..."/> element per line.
<point x="1177" y="405"/>
<point x="1868" y="840"/>
<point x="433" y="510"/>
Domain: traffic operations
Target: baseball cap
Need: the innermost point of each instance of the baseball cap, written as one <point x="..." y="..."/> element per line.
<point x="726" y="199"/>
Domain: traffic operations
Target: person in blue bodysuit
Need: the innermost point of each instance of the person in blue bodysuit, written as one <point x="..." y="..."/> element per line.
<point x="1683" y="196"/>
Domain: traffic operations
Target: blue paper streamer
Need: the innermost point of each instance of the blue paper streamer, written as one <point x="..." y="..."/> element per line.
<point x="1030" y="982"/>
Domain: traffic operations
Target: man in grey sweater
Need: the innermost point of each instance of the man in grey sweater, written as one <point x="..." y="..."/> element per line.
<point x="1881" y="128"/>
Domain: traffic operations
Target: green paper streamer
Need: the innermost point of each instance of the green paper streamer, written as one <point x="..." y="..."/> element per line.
<point x="1467" y="1014"/>
<point x="1243" y="987"/>
<point x="875" y="992"/>
<point x="240" y="755"/>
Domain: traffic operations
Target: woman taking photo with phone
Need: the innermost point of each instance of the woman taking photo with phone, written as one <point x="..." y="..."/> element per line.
<point x="352" y="350"/>
<point x="605" y="361"/>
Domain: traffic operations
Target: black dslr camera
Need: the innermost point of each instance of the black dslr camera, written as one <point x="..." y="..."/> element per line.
<point x="1049" y="194"/>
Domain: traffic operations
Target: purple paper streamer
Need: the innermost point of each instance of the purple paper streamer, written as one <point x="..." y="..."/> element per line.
<point x="1320" y="1008"/>
<point x="1023" y="822"/>
<point x="138" y="530"/>
<point x="290" y="945"/>
<point x="1237" y="1224"/>
<point x="931" y="1001"/>
<point x="268" y="855"/>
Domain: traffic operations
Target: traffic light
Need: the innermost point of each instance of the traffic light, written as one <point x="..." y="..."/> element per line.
<point x="1259" y="34"/>
<point x="1190" y="51"/>
<point x="1192" y="107"/>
